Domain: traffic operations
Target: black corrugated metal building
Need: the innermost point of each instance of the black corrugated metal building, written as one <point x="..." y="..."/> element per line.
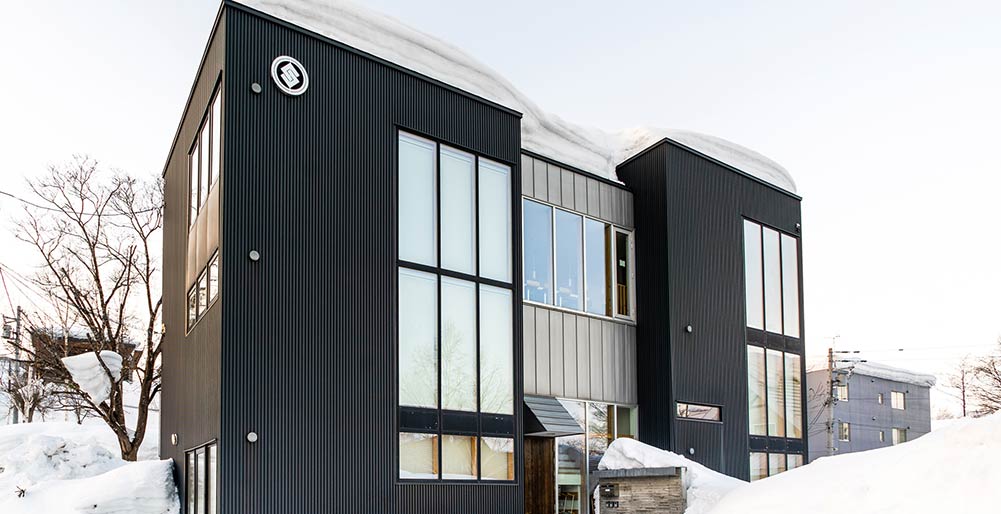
<point x="343" y="243"/>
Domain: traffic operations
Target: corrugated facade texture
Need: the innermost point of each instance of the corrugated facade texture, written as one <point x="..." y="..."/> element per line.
<point x="308" y="333"/>
<point x="548" y="182"/>
<point x="689" y="257"/>
<point x="190" y="401"/>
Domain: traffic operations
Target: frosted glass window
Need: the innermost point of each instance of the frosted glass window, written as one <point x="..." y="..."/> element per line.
<point x="417" y="185"/>
<point x="418" y="456"/>
<point x="596" y="254"/>
<point x="538" y="250"/>
<point x="773" y="280"/>
<point x="794" y="399"/>
<point x="204" y="167"/>
<point x="776" y="394"/>
<point x="795" y="461"/>
<point x="496" y="458"/>
<point x="216" y="137"/>
<point x="458" y="344"/>
<point x="458" y="216"/>
<point x="759" y="466"/>
<point x="753" y="282"/>
<point x="756" y="391"/>
<point x="496" y="351"/>
<point x="458" y="457"/>
<point x="418" y="338"/>
<point x="776" y="463"/>
<point x="790" y="285"/>
<point x="569" y="260"/>
<point x="495" y="221"/>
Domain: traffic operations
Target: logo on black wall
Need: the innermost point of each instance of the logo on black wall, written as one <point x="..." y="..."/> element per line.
<point x="289" y="75"/>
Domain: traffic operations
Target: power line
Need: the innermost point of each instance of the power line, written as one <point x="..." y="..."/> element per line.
<point x="53" y="209"/>
<point x="6" y="291"/>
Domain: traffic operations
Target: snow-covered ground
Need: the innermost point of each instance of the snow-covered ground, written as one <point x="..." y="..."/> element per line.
<point x="954" y="469"/>
<point x="69" y="468"/>
<point x="704" y="486"/>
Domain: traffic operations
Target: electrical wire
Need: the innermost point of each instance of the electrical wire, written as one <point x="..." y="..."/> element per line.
<point x="53" y="209"/>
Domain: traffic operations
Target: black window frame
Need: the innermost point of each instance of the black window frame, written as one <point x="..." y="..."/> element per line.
<point x="191" y="455"/>
<point x="438" y="421"/>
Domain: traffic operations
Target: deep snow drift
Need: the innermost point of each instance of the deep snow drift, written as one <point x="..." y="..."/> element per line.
<point x="954" y="469"/>
<point x="69" y="468"/>
<point x="704" y="486"/>
<point x="589" y="149"/>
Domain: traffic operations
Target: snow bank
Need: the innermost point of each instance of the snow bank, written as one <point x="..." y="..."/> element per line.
<point x="704" y="487"/>
<point x="586" y="148"/>
<point x="955" y="469"/>
<point x="88" y="373"/>
<point x="70" y="468"/>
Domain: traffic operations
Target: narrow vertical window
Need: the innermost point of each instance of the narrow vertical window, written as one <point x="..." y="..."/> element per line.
<point x="844" y="432"/>
<point x="790" y="285"/>
<point x="776" y="394"/>
<point x="753" y="281"/>
<point x="757" y="414"/>
<point x="213" y="487"/>
<point x="418" y="335"/>
<point x="569" y="260"/>
<point x="458" y="344"/>
<point x="759" y="466"/>
<point x="458" y="216"/>
<point x="214" y="277"/>
<point x="216" y="137"/>
<point x="192" y="305"/>
<point x="200" y="480"/>
<point x="203" y="287"/>
<point x="417" y="201"/>
<point x="496" y="351"/>
<point x="538" y="249"/>
<point x="193" y="186"/>
<point x="190" y="491"/>
<point x="596" y="264"/>
<point x="794" y="401"/>
<point x="623" y="257"/>
<point x="773" y="280"/>
<point x="495" y="220"/>
<point x="205" y="150"/>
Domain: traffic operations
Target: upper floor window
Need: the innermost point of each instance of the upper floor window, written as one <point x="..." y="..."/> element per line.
<point x="576" y="262"/>
<point x="771" y="279"/>
<point x="456" y="314"/>
<point x="205" y="290"/>
<point x="701" y="412"/>
<point x="204" y="159"/>
<point x="841" y="392"/>
<point x="897" y="400"/>
<point x="774" y="386"/>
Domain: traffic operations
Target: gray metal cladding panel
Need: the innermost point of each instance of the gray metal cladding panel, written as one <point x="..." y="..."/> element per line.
<point x="190" y="400"/>
<point x="577" y="192"/>
<point x="868" y="417"/>
<point x="689" y="211"/>
<point x="309" y="331"/>
<point x="554" y="185"/>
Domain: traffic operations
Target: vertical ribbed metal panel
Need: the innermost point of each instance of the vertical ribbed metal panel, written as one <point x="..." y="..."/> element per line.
<point x="689" y="211"/>
<point x="308" y="336"/>
<point x="190" y="400"/>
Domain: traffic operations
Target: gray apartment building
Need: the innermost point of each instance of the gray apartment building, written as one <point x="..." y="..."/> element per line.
<point x="874" y="405"/>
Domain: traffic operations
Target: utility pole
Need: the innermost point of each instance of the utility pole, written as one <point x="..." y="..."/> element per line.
<point x="830" y="401"/>
<point x="15" y="366"/>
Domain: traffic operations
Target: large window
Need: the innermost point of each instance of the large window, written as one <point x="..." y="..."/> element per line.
<point x="699" y="412"/>
<point x="897" y="400"/>
<point x="578" y="456"/>
<point x="771" y="280"/>
<point x="204" y="162"/>
<point x="575" y="262"/>
<point x="770" y="464"/>
<point x="201" y="477"/>
<point x="456" y="322"/>
<point x="774" y="387"/>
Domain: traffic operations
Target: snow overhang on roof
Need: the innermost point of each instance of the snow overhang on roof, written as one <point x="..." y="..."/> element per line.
<point x="877" y="370"/>
<point x="588" y="149"/>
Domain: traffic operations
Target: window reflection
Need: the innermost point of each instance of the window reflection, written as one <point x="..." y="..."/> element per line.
<point x="571" y="469"/>
<point x="757" y="415"/>
<point x="596" y="255"/>
<point x="753" y="282"/>
<point x="458" y="344"/>
<point x="458" y="200"/>
<point x="569" y="260"/>
<point x="417" y="200"/>
<point x="776" y="394"/>
<point x="538" y="250"/>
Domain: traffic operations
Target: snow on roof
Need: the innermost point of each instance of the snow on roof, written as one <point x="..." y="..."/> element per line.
<point x="589" y="149"/>
<point x="875" y="369"/>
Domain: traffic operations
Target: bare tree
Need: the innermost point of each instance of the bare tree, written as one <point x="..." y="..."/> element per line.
<point x="959" y="382"/>
<point x="94" y="233"/>
<point x="30" y="396"/>
<point x="985" y="388"/>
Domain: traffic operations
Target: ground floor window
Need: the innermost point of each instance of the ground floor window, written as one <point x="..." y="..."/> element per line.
<point x="770" y="464"/>
<point x="577" y="456"/>
<point x="899" y="435"/>
<point x="200" y="470"/>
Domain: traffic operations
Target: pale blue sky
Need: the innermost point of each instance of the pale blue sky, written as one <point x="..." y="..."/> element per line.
<point x="888" y="115"/>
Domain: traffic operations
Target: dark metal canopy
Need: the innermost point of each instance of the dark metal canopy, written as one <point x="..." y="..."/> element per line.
<point x="546" y="417"/>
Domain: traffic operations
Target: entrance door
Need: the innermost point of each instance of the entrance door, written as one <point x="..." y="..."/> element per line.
<point x="540" y="474"/>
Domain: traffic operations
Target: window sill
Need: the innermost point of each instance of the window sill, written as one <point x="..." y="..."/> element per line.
<point x="622" y="320"/>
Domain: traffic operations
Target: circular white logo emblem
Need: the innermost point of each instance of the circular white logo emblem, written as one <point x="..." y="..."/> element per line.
<point x="289" y="75"/>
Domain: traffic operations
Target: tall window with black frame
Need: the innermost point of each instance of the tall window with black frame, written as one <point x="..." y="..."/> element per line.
<point x="456" y="323"/>
<point x="774" y="374"/>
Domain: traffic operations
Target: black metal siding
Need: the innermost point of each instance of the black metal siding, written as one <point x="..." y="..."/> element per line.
<point x="689" y="252"/>
<point x="190" y="400"/>
<point x="309" y="330"/>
